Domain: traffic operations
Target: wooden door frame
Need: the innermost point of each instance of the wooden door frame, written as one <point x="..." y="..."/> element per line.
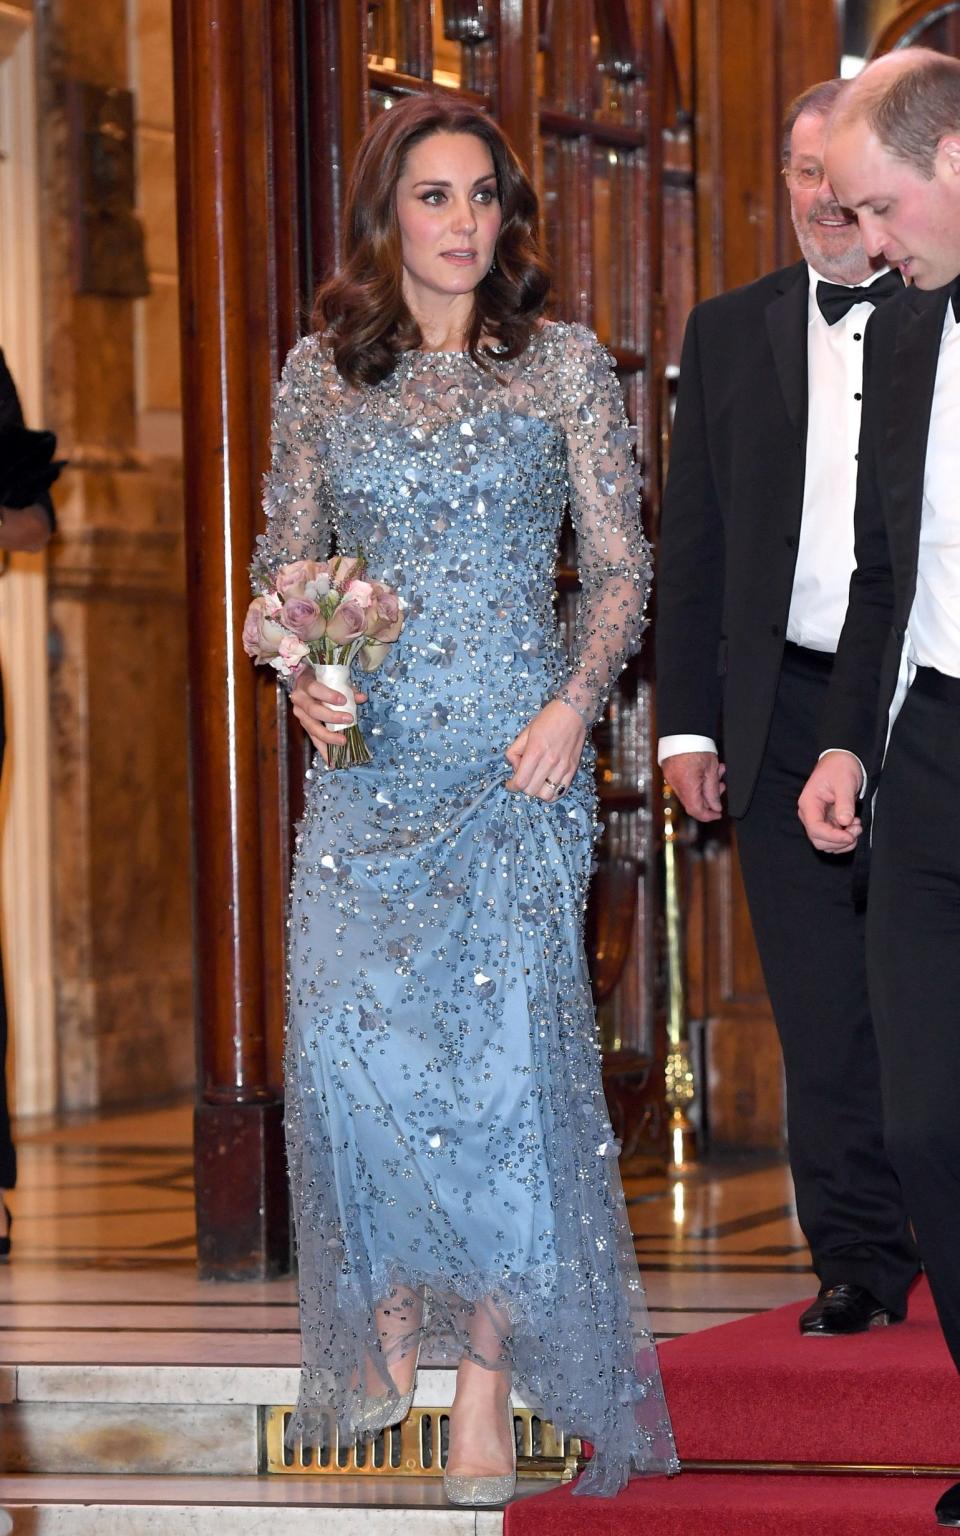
<point x="25" y="806"/>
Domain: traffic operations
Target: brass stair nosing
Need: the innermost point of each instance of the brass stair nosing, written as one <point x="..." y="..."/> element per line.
<point x="824" y="1468"/>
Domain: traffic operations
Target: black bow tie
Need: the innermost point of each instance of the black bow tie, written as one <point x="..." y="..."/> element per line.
<point x="835" y="299"/>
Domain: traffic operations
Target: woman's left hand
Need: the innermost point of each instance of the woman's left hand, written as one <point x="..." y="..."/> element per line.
<point x="546" y="754"/>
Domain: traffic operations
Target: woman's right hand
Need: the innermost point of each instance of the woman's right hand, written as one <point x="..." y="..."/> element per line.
<point x="314" y="705"/>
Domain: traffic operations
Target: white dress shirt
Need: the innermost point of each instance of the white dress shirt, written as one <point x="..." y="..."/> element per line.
<point x="933" y="629"/>
<point x="825" y="555"/>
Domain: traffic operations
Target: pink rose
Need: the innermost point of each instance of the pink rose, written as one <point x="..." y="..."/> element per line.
<point x="342" y="569"/>
<point x="360" y="592"/>
<point x="304" y="618"/>
<point x="389" y="618"/>
<point x="372" y="655"/>
<point x="290" y="653"/>
<point x="262" y="633"/>
<point x="346" y="624"/>
<point x="292" y="579"/>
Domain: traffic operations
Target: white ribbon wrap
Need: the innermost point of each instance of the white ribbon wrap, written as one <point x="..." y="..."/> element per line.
<point x="338" y="678"/>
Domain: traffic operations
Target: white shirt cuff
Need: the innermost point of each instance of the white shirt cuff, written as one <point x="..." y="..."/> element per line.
<point x="863" y="771"/>
<point x="670" y="745"/>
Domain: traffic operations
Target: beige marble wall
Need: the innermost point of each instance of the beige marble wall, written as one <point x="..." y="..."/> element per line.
<point x="118" y="654"/>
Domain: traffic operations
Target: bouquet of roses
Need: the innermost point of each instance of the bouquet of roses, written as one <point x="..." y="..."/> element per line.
<point x="326" y="614"/>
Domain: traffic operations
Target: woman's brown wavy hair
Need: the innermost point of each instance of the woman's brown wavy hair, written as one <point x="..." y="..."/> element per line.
<point x="362" y="310"/>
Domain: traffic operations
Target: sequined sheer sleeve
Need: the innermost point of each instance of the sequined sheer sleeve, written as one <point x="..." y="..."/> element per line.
<point x="296" y="498"/>
<point x="612" y="554"/>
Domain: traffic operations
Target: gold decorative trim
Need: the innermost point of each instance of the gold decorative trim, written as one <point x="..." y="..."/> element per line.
<point x="824" y="1468"/>
<point x="415" y="1448"/>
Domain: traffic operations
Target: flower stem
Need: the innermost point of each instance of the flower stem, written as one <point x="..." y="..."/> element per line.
<point x="353" y="752"/>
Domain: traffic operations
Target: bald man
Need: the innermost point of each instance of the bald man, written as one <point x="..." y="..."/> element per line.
<point x="891" y="730"/>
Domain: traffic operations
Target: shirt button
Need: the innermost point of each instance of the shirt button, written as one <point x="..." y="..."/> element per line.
<point x="858" y="396"/>
<point x="858" y="336"/>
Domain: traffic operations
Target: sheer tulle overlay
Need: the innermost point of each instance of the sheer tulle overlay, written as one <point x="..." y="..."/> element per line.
<point x="453" y="1167"/>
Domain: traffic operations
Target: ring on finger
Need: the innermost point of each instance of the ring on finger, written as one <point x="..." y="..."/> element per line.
<point x="559" y="790"/>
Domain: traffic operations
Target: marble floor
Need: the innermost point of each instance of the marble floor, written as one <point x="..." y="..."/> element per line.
<point x="102" y="1280"/>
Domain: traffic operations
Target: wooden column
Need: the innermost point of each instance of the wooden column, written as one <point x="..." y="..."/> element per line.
<point x="236" y="175"/>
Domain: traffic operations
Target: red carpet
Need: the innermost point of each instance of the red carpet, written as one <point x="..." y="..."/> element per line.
<point x="756" y="1391"/>
<point x="727" y="1504"/>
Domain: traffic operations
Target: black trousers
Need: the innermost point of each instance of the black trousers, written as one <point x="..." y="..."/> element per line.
<point x="811" y="941"/>
<point x="8" y="1155"/>
<point x="913" y="960"/>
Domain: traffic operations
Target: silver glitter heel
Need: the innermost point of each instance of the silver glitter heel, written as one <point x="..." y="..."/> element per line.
<point x="379" y="1412"/>
<point x="483" y="1492"/>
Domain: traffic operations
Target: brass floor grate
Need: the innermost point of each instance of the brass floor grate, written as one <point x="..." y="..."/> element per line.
<point x="415" y="1448"/>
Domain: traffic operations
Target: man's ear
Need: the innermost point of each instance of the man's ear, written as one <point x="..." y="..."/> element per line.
<point x="948" y="153"/>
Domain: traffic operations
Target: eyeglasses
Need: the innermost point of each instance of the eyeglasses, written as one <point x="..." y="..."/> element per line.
<point x="805" y="178"/>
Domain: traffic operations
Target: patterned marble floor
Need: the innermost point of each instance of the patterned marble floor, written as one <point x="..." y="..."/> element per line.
<point x="104" y="1250"/>
<point x="102" y="1281"/>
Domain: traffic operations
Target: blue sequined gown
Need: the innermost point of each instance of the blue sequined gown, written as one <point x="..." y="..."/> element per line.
<point x="448" y="1139"/>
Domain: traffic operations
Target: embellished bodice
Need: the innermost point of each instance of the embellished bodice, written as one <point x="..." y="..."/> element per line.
<point x="453" y="480"/>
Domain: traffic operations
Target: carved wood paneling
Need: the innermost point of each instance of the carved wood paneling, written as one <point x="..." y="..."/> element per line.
<point x="921" y="24"/>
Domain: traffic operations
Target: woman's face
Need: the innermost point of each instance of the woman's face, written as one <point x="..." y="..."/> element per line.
<point x="449" y="215"/>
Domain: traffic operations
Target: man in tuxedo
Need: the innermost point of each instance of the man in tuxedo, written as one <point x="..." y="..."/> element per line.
<point x="755" y="558"/>
<point x="894" y="707"/>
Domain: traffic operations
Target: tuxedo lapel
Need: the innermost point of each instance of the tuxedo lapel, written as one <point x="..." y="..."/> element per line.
<point x="909" y="401"/>
<point x="786" y="320"/>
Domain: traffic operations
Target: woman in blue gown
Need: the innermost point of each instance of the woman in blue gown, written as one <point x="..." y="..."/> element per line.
<point x="452" y="1162"/>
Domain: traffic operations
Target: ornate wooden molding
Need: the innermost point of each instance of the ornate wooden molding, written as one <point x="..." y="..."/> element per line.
<point x="903" y="30"/>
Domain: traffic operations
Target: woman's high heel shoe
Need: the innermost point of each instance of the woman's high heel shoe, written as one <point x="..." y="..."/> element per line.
<point x="377" y="1413"/>
<point x="482" y="1492"/>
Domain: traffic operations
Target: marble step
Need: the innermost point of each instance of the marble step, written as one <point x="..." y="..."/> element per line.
<point x="237" y="1506"/>
<point x="155" y="1420"/>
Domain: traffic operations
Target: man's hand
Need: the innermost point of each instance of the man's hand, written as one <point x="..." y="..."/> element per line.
<point x="828" y="803"/>
<point x="697" y="777"/>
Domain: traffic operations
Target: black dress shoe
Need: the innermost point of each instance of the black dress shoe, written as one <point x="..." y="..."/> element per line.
<point x="841" y="1309"/>
<point x="947" y="1509"/>
<point x="5" y="1239"/>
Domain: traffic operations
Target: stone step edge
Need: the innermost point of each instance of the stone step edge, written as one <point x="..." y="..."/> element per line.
<point x="94" y="1506"/>
<point x="256" y="1385"/>
<point x="93" y="1518"/>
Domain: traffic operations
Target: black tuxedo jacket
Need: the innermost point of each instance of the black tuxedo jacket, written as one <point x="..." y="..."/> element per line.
<point x="731" y="519"/>
<point x="11" y="415"/>
<point x="900" y="371"/>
